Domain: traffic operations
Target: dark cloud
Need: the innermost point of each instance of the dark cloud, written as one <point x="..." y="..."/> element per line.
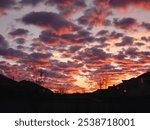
<point x="3" y="42"/>
<point x="68" y="8"/>
<point x="102" y="39"/>
<point x="68" y="68"/>
<point x="30" y="2"/>
<point x="125" y="23"/>
<point x="12" y="53"/>
<point x="67" y="65"/>
<point x="39" y="56"/>
<point x="139" y="43"/>
<point x="93" y="17"/>
<point x="121" y="55"/>
<point x="81" y="37"/>
<point x="80" y="3"/>
<point x="108" y="36"/>
<point x="116" y="35"/>
<point x="144" y="4"/>
<point x="60" y="4"/>
<point x="20" y="40"/>
<point x="20" y="47"/>
<point x="103" y="45"/>
<point x="48" y="36"/>
<point x="92" y="54"/>
<point x="132" y="52"/>
<point x="119" y="3"/>
<point x="126" y="41"/>
<point x="7" y="4"/>
<point x="107" y="22"/>
<point x="69" y="37"/>
<point x="51" y="74"/>
<point x="73" y="49"/>
<point x="102" y="32"/>
<point x="101" y="3"/>
<point x="83" y="33"/>
<point x="63" y="5"/>
<point x="105" y="68"/>
<point x="19" y="32"/>
<point x="50" y="20"/>
<point x="37" y="59"/>
<point x="146" y="26"/>
<point x="146" y="39"/>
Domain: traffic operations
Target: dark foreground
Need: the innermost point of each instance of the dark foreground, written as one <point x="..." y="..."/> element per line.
<point x="130" y="96"/>
<point x="75" y="104"/>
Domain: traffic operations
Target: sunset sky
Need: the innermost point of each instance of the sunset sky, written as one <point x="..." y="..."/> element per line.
<point x="74" y="42"/>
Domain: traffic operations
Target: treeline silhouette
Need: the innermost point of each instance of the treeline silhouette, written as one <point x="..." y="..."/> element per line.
<point x="130" y="96"/>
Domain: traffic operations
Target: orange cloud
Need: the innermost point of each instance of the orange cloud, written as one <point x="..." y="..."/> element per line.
<point x="144" y="4"/>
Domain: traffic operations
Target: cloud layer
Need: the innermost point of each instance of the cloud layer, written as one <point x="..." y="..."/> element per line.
<point x="74" y="43"/>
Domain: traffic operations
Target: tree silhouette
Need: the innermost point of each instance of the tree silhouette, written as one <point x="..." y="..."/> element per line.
<point x="36" y="75"/>
<point x="62" y="90"/>
<point x="103" y="82"/>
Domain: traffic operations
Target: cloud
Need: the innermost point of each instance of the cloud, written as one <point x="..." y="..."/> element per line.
<point x="50" y="20"/>
<point x="68" y="8"/>
<point x="93" y="17"/>
<point x="6" y="4"/>
<point x="51" y="38"/>
<point x="30" y="2"/>
<point x="51" y="74"/>
<point x="101" y="3"/>
<point x="93" y="57"/>
<point x="3" y="42"/>
<point x="102" y="33"/>
<point x="39" y="55"/>
<point x="68" y="64"/>
<point x="146" y="26"/>
<point x="144" y="4"/>
<point x="20" y="40"/>
<point x="107" y="36"/>
<point x="18" y="32"/>
<point x="116" y="35"/>
<point x="68" y="68"/>
<point x="146" y="39"/>
<point x="132" y="52"/>
<point x="48" y="36"/>
<point x="126" y="41"/>
<point x="11" y="53"/>
<point x="67" y="4"/>
<point x="60" y="4"/>
<point x="125" y="23"/>
<point x="120" y="56"/>
<point x="139" y="43"/>
<point x="102" y="39"/>
<point x="37" y="59"/>
<point x="105" y="68"/>
<point x="73" y="49"/>
<point x="80" y="37"/>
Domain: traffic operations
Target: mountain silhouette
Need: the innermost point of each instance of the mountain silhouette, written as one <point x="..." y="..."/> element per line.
<point x="131" y="95"/>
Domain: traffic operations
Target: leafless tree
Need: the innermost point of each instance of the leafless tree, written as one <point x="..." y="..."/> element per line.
<point x="37" y="75"/>
<point x="62" y="90"/>
<point x="103" y="82"/>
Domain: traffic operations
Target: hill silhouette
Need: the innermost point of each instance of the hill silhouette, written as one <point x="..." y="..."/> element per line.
<point x="131" y="95"/>
<point x="24" y="89"/>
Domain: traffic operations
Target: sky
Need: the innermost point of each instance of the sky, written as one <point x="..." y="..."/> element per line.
<point x="74" y="45"/>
